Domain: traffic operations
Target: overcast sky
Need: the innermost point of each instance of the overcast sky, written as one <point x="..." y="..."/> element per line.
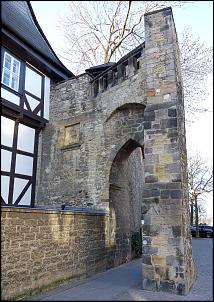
<point x="199" y="17"/>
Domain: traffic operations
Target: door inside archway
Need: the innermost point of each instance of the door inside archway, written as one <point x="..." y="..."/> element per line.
<point x="126" y="185"/>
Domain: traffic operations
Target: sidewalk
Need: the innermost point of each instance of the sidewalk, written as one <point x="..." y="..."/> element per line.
<point x="123" y="283"/>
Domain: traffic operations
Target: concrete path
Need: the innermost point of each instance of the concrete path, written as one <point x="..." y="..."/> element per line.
<point x="124" y="283"/>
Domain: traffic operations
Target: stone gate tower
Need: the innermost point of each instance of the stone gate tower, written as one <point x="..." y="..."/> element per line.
<point x="116" y="142"/>
<point x="167" y="251"/>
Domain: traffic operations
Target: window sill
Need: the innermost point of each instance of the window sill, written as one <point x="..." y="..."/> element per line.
<point x="71" y="147"/>
<point x="11" y="90"/>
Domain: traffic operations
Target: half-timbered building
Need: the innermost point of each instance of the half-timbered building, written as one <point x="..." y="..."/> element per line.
<point x="29" y="66"/>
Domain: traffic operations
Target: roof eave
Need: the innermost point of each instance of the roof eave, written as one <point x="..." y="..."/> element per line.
<point x="70" y="74"/>
<point x="53" y="70"/>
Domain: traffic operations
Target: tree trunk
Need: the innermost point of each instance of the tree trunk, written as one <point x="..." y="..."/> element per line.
<point x="191" y="213"/>
<point x="196" y="217"/>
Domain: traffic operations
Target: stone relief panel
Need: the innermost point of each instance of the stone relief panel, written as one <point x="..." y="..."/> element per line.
<point x="71" y="134"/>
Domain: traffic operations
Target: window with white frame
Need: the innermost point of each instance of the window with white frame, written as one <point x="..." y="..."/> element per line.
<point x="11" y="72"/>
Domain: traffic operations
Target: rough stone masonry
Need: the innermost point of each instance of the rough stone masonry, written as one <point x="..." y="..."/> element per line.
<point x="117" y="142"/>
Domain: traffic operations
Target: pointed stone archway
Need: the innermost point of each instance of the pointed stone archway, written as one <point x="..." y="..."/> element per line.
<point x="125" y="200"/>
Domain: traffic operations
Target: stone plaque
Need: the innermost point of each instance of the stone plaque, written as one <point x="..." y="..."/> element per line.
<point x="71" y="134"/>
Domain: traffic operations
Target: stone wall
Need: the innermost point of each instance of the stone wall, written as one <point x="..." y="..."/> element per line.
<point x="42" y="247"/>
<point x="183" y="161"/>
<point x="76" y="170"/>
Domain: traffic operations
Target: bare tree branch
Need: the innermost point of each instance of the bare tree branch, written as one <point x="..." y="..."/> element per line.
<point x="101" y="31"/>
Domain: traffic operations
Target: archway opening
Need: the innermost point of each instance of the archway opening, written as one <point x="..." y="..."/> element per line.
<point x="125" y="200"/>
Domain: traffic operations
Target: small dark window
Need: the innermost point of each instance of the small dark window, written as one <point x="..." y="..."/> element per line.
<point x="96" y="88"/>
<point x="137" y="61"/>
<point x="105" y="82"/>
<point x="115" y="75"/>
<point x="125" y="69"/>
